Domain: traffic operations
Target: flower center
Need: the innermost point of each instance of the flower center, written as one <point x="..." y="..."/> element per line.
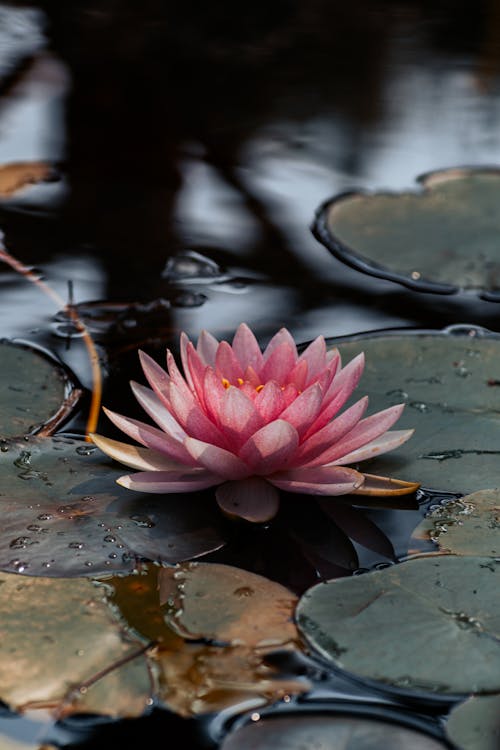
<point x="227" y="384"/>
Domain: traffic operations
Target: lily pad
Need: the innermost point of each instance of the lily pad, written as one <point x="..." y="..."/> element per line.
<point x="427" y="626"/>
<point x="63" y="647"/>
<point x="466" y="526"/>
<point x="443" y="238"/>
<point x="332" y="732"/>
<point x="475" y="724"/>
<point x="63" y="514"/>
<point x="37" y="394"/>
<point x="448" y="381"/>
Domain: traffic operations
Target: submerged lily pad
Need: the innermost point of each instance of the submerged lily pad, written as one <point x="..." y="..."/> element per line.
<point x="63" y="514"/>
<point x="428" y="625"/>
<point x="475" y="724"/>
<point x="63" y="647"/>
<point x="36" y="393"/>
<point x="442" y="239"/>
<point x="327" y="732"/>
<point x="448" y="381"/>
<point x="466" y="526"/>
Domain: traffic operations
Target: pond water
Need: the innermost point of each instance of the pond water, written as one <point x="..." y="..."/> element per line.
<point x="191" y="148"/>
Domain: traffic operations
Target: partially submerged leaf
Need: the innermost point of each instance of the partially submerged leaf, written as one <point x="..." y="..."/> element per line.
<point x="475" y="723"/>
<point x="17" y="175"/>
<point x="63" y="514"/>
<point x="36" y="393"/>
<point x="63" y="647"/>
<point x="429" y="624"/>
<point x="466" y="526"/>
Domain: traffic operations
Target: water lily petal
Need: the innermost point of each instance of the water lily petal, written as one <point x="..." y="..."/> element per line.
<point x="298" y="375"/>
<point x="227" y="365"/>
<point x="270" y="448"/>
<point x="270" y="401"/>
<point x="196" y="369"/>
<point x="151" y="437"/>
<point x="312" y="451"/>
<point x="322" y="480"/>
<point x="156" y="376"/>
<point x="192" y="418"/>
<point x="279" y="364"/>
<point x="384" y="443"/>
<point x="218" y="461"/>
<point x="365" y="432"/>
<point x="154" y="407"/>
<point x="163" y="482"/>
<point x="304" y="409"/>
<point x="207" y="348"/>
<point x="315" y="356"/>
<point x="253" y="499"/>
<point x="247" y="349"/>
<point x="213" y="394"/>
<point x="283" y="336"/>
<point x="143" y="459"/>
<point x="239" y="417"/>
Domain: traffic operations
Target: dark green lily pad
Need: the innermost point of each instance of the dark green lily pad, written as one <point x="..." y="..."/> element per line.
<point x="428" y="625"/>
<point x="36" y="393"/>
<point x="63" y="647"/>
<point x="475" y="724"/>
<point x="327" y="733"/>
<point x="443" y="238"/>
<point x="64" y="515"/>
<point x="466" y="526"/>
<point x="449" y="383"/>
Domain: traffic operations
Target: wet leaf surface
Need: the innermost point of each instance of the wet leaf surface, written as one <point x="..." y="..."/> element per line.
<point x="475" y="724"/>
<point x="35" y="393"/>
<point x="328" y="733"/>
<point x="445" y="379"/>
<point x="465" y="526"/>
<point x="63" y="647"/>
<point x="443" y="238"/>
<point x="238" y="618"/>
<point x="64" y="515"/>
<point x="428" y="625"/>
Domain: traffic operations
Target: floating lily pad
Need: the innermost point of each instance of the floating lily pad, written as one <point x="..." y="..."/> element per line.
<point x="63" y="514"/>
<point x="36" y="393"/>
<point x="327" y="733"/>
<point x="449" y="383"/>
<point x="465" y="526"/>
<point x="444" y="238"/>
<point x="63" y="647"/>
<point x="475" y="724"/>
<point x="428" y="626"/>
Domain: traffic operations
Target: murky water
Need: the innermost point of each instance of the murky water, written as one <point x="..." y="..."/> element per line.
<point x="193" y="147"/>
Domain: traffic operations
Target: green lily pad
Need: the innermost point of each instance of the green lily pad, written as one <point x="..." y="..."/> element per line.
<point x="466" y="526"/>
<point x="332" y="732"/>
<point x="64" y="648"/>
<point x="63" y="514"/>
<point x="443" y="238"/>
<point x="475" y="724"/>
<point x="36" y="393"/>
<point x="448" y="381"/>
<point x="428" y="625"/>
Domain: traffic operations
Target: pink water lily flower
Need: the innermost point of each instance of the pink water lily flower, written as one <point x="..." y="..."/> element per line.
<point x="253" y="423"/>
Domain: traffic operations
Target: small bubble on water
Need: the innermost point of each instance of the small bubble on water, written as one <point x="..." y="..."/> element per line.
<point x="419" y="406"/>
<point x="112" y="555"/>
<point x="88" y="563"/>
<point x="21" y="542"/>
<point x="85" y="450"/>
<point x="110" y="538"/>
<point x="23" y="460"/>
<point x="142" y="521"/>
<point x="45" y="517"/>
<point x="76" y="545"/>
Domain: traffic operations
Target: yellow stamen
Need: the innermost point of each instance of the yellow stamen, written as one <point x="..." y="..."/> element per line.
<point x="225" y="383"/>
<point x="240" y="381"/>
<point x="258" y="388"/>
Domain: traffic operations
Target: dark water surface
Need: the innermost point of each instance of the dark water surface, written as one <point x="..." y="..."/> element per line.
<point x="194" y="144"/>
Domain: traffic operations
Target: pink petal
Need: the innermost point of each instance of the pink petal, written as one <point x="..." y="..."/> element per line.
<point x="250" y="376"/>
<point x="227" y="364"/>
<point x="218" y="461"/>
<point x="246" y="348"/>
<point x="298" y="374"/>
<point x="155" y="408"/>
<point x="386" y="442"/>
<point x="304" y="410"/>
<point x="151" y="437"/>
<point x="194" y="420"/>
<point x="184" y="341"/>
<point x="290" y="393"/>
<point x="144" y="459"/>
<point x="315" y="356"/>
<point x="315" y="450"/>
<point x="283" y="336"/>
<point x="279" y="364"/>
<point x="270" y="401"/>
<point x="270" y="448"/>
<point x="196" y="370"/>
<point x="168" y="481"/>
<point x="253" y="499"/>
<point x="318" y="481"/>
<point x="213" y="394"/>
<point x="156" y="376"/>
<point x="207" y="348"/>
<point x="363" y="433"/>
<point x="239" y="417"/>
